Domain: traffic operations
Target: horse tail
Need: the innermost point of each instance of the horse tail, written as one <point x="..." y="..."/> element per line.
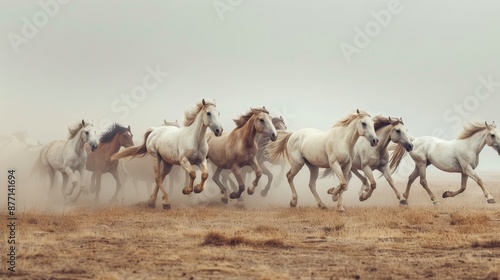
<point x="277" y="149"/>
<point x="396" y="157"/>
<point x="134" y="151"/>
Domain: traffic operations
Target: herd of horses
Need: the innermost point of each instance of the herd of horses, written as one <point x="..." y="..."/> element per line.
<point x="357" y="142"/>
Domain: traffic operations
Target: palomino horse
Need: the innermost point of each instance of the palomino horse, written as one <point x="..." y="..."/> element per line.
<point x="366" y="158"/>
<point x="238" y="148"/>
<point x="457" y="156"/>
<point x="99" y="161"/>
<point x="185" y="146"/>
<point x="333" y="149"/>
<point x="69" y="156"/>
<point x="262" y="141"/>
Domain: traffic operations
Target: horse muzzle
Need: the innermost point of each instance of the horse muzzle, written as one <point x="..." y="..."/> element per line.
<point x="374" y="142"/>
<point x="218" y="131"/>
<point x="273" y="137"/>
<point x="409" y="147"/>
<point x="93" y="147"/>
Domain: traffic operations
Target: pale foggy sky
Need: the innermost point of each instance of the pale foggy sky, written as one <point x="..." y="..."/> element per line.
<point x="285" y="55"/>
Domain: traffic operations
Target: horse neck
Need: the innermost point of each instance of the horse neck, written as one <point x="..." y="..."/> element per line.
<point x="383" y="134"/>
<point x="349" y="135"/>
<point x="111" y="147"/>
<point x="76" y="143"/>
<point x="247" y="132"/>
<point x="477" y="141"/>
<point x="197" y="129"/>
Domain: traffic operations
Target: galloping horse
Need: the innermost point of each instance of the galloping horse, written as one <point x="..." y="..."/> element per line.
<point x="99" y="161"/>
<point x="185" y="146"/>
<point x="366" y="158"/>
<point x="457" y="156"/>
<point x="69" y="156"/>
<point x="238" y="148"/>
<point x="333" y="149"/>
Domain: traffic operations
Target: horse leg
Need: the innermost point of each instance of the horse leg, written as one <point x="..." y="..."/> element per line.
<point x="423" y="181"/>
<point x="241" y="185"/>
<point x="342" y="175"/>
<point x="469" y="172"/>
<point x="64" y="182"/>
<point x="74" y="181"/>
<point x="314" y="172"/>
<point x="373" y="184"/>
<point x="389" y="179"/>
<point x="223" y="190"/>
<point x="463" y="185"/>
<point x="82" y="172"/>
<point x="154" y="194"/>
<point x="97" y="177"/>
<point x="414" y="175"/>
<point x="296" y="167"/>
<point x="118" y="184"/>
<point x="258" y="173"/>
<point x="192" y="175"/>
<point x="269" y="175"/>
<point x="166" y="169"/>
<point x="204" y="175"/>
<point x="92" y="188"/>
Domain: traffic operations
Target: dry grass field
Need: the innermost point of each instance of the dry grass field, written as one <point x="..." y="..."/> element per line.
<point x="261" y="238"/>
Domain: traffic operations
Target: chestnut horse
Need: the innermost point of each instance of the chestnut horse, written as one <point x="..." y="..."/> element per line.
<point x="238" y="148"/>
<point x="99" y="161"/>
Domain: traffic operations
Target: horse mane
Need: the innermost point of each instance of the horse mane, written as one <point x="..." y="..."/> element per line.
<point x="471" y="128"/>
<point x="350" y="118"/>
<point x="190" y="113"/>
<point x="111" y="132"/>
<point x="381" y="121"/>
<point x="243" y="119"/>
<point x="73" y="130"/>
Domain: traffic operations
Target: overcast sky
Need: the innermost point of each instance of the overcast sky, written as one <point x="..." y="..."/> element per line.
<point x="435" y="63"/>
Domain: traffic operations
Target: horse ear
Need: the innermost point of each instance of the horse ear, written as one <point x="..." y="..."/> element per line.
<point x="128" y="127"/>
<point x="164" y="122"/>
<point x="213" y="101"/>
<point x="494" y="124"/>
<point x="357" y="111"/>
<point x="264" y="107"/>
<point x="203" y="101"/>
<point x="390" y="120"/>
<point x="281" y="117"/>
<point x="83" y="122"/>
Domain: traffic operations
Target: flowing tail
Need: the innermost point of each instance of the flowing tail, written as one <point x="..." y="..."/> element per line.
<point x="277" y="149"/>
<point x="134" y="151"/>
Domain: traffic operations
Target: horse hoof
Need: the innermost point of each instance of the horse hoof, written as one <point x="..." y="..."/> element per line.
<point x="335" y="198"/>
<point x="293" y="204"/>
<point x="151" y="204"/>
<point x="362" y="198"/>
<point x="341" y="209"/>
<point x="330" y="191"/>
<point x="491" y="201"/>
<point x="186" y="191"/>
<point x="197" y="190"/>
<point x="446" y="194"/>
<point x="166" y="207"/>
<point x="224" y="200"/>
<point x="234" y="195"/>
<point x="322" y="206"/>
<point x="250" y="192"/>
<point x="403" y="202"/>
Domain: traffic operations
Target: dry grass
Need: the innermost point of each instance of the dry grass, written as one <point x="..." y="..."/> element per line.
<point x="276" y="243"/>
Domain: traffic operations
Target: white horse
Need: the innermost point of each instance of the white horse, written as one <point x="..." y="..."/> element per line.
<point x="185" y="146"/>
<point x="456" y="156"/>
<point x="68" y="156"/>
<point x="333" y="149"/>
<point x="366" y="158"/>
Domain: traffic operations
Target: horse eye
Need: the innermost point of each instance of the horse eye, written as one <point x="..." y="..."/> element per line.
<point x="86" y="132"/>
<point x="209" y="114"/>
<point x="363" y="124"/>
<point x="398" y="131"/>
<point x="262" y="120"/>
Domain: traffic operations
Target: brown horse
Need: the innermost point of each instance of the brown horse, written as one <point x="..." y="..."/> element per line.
<point x="99" y="161"/>
<point x="239" y="148"/>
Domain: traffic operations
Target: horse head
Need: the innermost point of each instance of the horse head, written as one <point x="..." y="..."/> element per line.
<point x="365" y="127"/>
<point x="264" y="123"/>
<point x="89" y="135"/>
<point x="399" y="134"/>
<point x="279" y="123"/>
<point x="126" y="139"/>
<point x="211" y="117"/>
<point x="493" y="138"/>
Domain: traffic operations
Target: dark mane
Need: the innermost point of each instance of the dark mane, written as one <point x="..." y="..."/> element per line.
<point x="111" y="132"/>
<point x="243" y="119"/>
<point x="380" y="122"/>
